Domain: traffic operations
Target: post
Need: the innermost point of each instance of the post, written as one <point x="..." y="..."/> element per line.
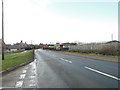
<point x="33" y="52"/>
<point x="2" y="30"/>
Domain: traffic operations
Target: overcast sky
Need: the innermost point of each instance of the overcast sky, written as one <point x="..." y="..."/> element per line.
<point x="45" y="21"/>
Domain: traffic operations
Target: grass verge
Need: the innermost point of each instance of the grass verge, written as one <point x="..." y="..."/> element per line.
<point x="92" y="54"/>
<point x="13" y="60"/>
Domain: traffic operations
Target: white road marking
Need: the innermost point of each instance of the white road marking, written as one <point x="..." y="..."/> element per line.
<point x="24" y="71"/>
<point x="32" y="76"/>
<point x="66" y="60"/>
<point x="34" y="72"/>
<point x="33" y="66"/>
<point x="19" y="84"/>
<point x="31" y="85"/>
<point x="31" y="63"/>
<point x="70" y="61"/>
<point x="22" y="76"/>
<point x="102" y="73"/>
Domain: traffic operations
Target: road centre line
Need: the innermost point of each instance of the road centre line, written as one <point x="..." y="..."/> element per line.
<point x="66" y="60"/>
<point x="102" y="73"/>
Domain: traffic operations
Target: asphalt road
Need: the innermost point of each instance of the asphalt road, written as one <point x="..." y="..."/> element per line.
<point x="55" y="70"/>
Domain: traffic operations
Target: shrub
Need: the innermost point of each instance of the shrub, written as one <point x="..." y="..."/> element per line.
<point x="109" y="50"/>
<point x="28" y="48"/>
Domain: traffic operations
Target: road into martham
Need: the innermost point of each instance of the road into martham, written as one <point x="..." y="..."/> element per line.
<point x="55" y="70"/>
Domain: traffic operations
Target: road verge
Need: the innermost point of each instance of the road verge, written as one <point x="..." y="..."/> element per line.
<point x="15" y="67"/>
<point x="14" y="61"/>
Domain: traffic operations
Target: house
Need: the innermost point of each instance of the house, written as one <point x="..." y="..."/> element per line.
<point x="45" y="46"/>
<point x="12" y="48"/>
<point x="40" y="45"/>
<point x="3" y="45"/>
<point x="22" y="45"/>
<point x="7" y="47"/>
<point x="17" y="47"/>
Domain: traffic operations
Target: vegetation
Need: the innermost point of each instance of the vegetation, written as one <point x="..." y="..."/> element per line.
<point x="106" y="50"/>
<point x="12" y="60"/>
<point x="28" y="48"/>
<point x="113" y="41"/>
<point x="93" y="54"/>
<point x="109" y="50"/>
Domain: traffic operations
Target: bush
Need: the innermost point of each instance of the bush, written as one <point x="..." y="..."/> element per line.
<point x="28" y="48"/>
<point x="109" y="50"/>
<point x="106" y="50"/>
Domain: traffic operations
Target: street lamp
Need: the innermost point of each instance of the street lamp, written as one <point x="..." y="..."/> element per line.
<point x="2" y="30"/>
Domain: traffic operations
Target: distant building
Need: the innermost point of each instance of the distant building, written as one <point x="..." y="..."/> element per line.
<point x="14" y="48"/>
<point x="1" y="45"/>
<point x="17" y="47"/>
<point x="40" y="45"/>
<point x="22" y="45"/>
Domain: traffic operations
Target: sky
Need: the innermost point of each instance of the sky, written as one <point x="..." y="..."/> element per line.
<point x="51" y="21"/>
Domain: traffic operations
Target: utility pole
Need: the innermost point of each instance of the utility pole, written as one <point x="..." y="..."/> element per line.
<point x="112" y="37"/>
<point x="2" y="30"/>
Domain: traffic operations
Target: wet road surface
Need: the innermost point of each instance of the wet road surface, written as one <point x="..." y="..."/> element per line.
<point x="55" y="70"/>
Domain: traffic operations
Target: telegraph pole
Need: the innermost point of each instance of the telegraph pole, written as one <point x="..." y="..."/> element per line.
<point x="2" y="30"/>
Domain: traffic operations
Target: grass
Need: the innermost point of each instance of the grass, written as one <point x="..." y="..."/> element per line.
<point x="102" y="55"/>
<point x="13" y="60"/>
